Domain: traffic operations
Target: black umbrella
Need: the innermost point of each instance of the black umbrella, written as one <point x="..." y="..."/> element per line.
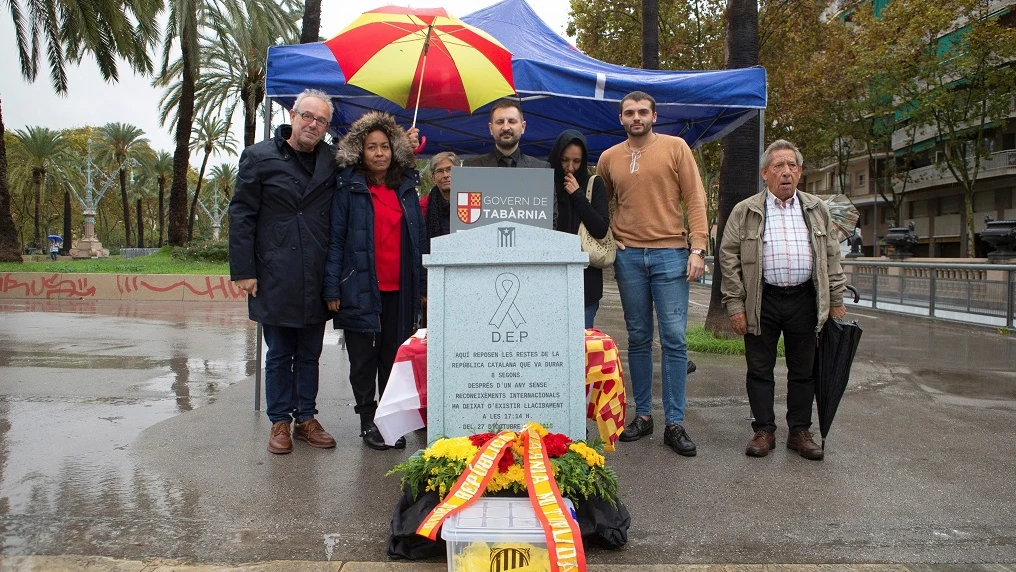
<point x="837" y="345"/>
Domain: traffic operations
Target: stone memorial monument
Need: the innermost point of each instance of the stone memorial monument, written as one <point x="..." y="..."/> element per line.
<point x="505" y="331"/>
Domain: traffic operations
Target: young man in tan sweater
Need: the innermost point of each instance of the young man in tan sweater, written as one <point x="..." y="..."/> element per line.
<point x="655" y="180"/>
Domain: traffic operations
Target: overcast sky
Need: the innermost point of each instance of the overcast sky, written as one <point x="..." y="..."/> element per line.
<point x="93" y="102"/>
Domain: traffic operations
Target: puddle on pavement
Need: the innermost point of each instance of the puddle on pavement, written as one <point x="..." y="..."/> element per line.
<point x="64" y="442"/>
<point x="978" y="388"/>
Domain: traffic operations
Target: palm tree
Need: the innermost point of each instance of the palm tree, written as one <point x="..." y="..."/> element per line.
<point x="45" y="149"/>
<point x="122" y="146"/>
<point x="311" y="22"/>
<point x="739" y="166"/>
<point x="223" y="178"/>
<point x="161" y="169"/>
<point x="650" y="34"/>
<point x="186" y="20"/>
<point x="69" y="31"/>
<point x="234" y="49"/>
<point x="212" y="136"/>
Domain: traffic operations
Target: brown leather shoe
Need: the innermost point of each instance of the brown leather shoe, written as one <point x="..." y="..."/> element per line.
<point x="803" y="443"/>
<point x="314" y="434"/>
<point x="280" y="442"/>
<point x="761" y="444"/>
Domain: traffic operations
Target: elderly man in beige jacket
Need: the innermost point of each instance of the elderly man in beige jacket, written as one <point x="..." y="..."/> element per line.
<point x="781" y="271"/>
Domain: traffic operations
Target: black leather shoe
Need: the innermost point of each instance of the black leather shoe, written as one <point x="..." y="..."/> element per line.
<point x="372" y="438"/>
<point x="677" y="439"/>
<point x="400" y="443"/>
<point x="691" y="366"/>
<point x="637" y="429"/>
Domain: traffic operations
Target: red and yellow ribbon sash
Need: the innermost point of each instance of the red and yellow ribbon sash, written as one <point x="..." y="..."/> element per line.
<point x="564" y="541"/>
<point x="471" y="484"/>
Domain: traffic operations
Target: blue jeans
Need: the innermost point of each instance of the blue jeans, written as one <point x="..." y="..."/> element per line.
<point x="291" y="371"/>
<point x="591" y="313"/>
<point x="648" y="277"/>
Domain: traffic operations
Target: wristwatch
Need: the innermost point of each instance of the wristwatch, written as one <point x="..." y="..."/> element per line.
<point x="699" y="252"/>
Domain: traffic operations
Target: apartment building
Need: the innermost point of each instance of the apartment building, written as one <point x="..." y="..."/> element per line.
<point x="931" y="197"/>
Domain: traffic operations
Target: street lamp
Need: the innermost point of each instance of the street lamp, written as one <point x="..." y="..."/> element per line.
<point x="88" y="246"/>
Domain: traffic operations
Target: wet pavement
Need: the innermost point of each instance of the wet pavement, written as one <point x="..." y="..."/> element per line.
<point x="127" y="430"/>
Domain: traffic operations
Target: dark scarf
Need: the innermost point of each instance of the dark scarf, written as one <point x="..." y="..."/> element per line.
<point x="438" y="213"/>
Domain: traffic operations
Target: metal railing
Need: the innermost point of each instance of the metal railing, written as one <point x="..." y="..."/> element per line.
<point x="136" y="252"/>
<point x="983" y="294"/>
<point x="977" y="293"/>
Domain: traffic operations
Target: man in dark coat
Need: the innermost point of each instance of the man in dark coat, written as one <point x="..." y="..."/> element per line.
<point x="278" y="233"/>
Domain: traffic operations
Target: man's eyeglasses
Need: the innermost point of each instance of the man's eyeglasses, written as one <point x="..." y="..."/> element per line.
<point x="443" y="171"/>
<point x="308" y="117"/>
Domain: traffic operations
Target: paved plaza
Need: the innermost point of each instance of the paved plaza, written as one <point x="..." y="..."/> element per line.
<point x="129" y="441"/>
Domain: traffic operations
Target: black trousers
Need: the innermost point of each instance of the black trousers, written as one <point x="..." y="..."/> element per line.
<point x="371" y="357"/>
<point x="791" y="312"/>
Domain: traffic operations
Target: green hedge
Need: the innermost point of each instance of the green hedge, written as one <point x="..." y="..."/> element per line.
<point x="203" y="251"/>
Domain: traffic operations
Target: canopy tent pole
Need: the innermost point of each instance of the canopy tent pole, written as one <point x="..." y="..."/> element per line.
<point x="257" y="370"/>
<point x="761" y="145"/>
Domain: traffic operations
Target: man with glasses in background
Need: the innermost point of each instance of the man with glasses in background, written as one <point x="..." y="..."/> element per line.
<point x="657" y="184"/>
<point x="781" y="274"/>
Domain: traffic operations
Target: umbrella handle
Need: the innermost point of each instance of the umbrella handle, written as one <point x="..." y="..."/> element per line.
<point x="857" y="295"/>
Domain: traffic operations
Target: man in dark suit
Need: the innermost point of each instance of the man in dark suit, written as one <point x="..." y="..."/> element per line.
<point x="507" y="126"/>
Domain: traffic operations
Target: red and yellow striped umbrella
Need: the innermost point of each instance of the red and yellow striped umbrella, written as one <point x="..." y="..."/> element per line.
<point x="423" y="57"/>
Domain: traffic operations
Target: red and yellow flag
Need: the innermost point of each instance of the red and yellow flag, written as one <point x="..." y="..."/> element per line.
<point x="605" y="387"/>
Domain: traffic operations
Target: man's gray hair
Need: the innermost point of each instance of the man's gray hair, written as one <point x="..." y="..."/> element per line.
<point x="317" y="94"/>
<point x="780" y="145"/>
<point x="441" y="158"/>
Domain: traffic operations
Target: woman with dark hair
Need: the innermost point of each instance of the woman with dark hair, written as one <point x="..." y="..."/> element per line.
<point x="374" y="279"/>
<point x="570" y="159"/>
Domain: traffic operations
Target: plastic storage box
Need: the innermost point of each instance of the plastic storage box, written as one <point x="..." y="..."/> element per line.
<point x="497" y="534"/>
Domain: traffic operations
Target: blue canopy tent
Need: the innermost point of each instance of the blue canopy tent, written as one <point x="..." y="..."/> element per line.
<point x="560" y="88"/>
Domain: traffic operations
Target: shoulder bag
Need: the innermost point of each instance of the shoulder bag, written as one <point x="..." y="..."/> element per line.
<point x="601" y="250"/>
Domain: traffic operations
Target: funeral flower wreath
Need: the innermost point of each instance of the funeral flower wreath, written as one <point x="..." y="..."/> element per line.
<point x="579" y="467"/>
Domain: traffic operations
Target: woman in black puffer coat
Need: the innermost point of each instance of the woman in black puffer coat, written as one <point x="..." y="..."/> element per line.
<point x="374" y="277"/>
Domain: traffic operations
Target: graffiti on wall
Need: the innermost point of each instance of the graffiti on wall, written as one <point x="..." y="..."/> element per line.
<point x="212" y="285"/>
<point x="53" y="286"/>
<point x="101" y="287"/>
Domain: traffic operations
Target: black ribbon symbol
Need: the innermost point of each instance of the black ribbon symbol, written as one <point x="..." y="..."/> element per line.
<point x="507" y="287"/>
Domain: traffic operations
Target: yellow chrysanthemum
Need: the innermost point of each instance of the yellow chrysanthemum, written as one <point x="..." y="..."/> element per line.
<point x="503" y="481"/>
<point x="457" y="448"/>
<point x="593" y="459"/>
